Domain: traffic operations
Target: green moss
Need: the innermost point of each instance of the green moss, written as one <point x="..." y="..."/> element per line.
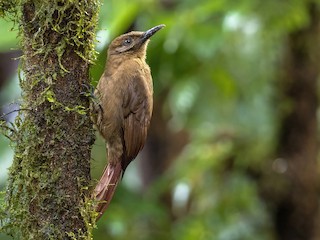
<point x="73" y="26"/>
<point x="7" y="7"/>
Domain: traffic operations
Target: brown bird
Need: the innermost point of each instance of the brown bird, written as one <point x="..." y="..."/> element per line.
<point x="122" y="115"/>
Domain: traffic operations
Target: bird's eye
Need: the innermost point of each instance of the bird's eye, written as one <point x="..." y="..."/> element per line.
<point x="127" y="41"/>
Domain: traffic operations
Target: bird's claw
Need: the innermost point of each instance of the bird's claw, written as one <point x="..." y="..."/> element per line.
<point x="89" y="90"/>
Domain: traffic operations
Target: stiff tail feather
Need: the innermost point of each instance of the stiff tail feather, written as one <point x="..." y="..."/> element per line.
<point x="106" y="187"/>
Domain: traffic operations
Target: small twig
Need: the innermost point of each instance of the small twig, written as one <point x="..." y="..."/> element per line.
<point x="16" y="110"/>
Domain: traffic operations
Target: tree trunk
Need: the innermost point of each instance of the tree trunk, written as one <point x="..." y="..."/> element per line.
<point x="296" y="211"/>
<point x="47" y="194"/>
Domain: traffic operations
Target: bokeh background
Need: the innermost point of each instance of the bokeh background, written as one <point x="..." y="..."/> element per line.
<point x="232" y="150"/>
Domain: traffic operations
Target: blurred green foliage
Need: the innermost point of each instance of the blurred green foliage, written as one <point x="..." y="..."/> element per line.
<point x="217" y="61"/>
<point x="8" y="35"/>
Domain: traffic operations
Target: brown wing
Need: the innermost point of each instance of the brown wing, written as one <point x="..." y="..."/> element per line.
<point x="137" y="107"/>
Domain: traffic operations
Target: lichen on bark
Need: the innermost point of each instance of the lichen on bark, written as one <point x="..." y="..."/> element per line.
<point x="47" y="195"/>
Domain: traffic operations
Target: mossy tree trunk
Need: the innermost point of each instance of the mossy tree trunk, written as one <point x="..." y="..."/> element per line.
<point x="47" y="194"/>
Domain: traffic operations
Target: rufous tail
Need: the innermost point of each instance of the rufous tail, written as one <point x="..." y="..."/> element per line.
<point x="106" y="187"/>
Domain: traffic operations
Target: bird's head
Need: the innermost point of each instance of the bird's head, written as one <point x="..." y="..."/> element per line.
<point x="132" y="42"/>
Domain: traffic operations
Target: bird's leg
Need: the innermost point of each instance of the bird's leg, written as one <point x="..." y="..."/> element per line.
<point x="95" y="103"/>
<point x="89" y="90"/>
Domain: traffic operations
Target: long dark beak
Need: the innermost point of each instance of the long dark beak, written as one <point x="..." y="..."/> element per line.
<point x="149" y="33"/>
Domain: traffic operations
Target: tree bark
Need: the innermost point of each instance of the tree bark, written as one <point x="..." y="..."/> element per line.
<point x="47" y="194"/>
<point x="296" y="211"/>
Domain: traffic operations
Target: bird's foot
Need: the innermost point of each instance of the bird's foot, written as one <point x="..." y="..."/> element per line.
<point x="88" y="90"/>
